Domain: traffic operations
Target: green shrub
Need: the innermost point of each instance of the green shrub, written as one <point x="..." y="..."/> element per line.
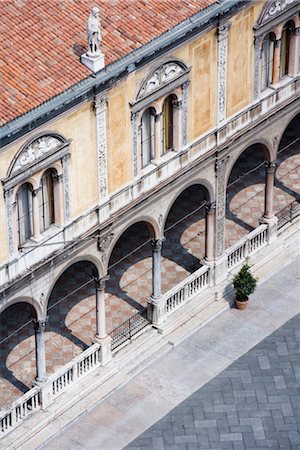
<point x="244" y="282"/>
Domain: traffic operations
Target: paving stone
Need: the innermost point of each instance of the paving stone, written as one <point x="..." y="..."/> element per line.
<point x="259" y="418"/>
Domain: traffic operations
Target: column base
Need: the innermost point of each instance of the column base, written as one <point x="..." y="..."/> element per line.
<point x="46" y="392"/>
<point x="105" y="355"/>
<point x="221" y="269"/>
<point x="272" y="227"/>
<point x="156" y="310"/>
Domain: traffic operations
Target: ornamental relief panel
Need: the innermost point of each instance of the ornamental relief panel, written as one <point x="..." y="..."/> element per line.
<point x="163" y="75"/>
<point x="274" y="8"/>
<point x="35" y="151"/>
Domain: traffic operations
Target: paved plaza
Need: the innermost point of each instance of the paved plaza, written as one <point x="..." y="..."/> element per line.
<point x="71" y="310"/>
<point x="253" y="404"/>
<point x="233" y="384"/>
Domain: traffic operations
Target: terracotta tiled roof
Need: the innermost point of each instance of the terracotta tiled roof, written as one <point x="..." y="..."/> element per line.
<point x="40" y="42"/>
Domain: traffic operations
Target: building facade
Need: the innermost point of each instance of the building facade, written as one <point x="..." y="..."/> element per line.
<point x="120" y="186"/>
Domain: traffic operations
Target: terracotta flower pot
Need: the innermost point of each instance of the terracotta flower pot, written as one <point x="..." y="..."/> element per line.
<point x="241" y="303"/>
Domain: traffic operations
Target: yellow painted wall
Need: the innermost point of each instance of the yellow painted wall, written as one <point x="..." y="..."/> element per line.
<point x="119" y="140"/>
<point x="240" y="62"/>
<point x="80" y="127"/>
<point x="203" y="86"/>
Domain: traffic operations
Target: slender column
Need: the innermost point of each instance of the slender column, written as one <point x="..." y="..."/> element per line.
<point x="100" y="308"/>
<point x="296" y="50"/>
<point x="276" y="62"/>
<point x="222" y="71"/>
<point x="269" y="189"/>
<point x="177" y="104"/>
<point x="36" y="216"/>
<point x="39" y="329"/>
<point x="156" y="267"/>
<point x="210" y="231"/>
<point x="100" y="109"/>
<point x="58" y="199"/>
<point x="157" y="137"/>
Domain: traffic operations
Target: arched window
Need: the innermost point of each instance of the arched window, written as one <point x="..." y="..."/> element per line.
<point x="267" y="60"/>
<point x="46" y="200"/>
<point x="24" y="208"/>
<point x="285" y="49"/>
<point x="168" y="124"/>
<point x="147" y="136"/>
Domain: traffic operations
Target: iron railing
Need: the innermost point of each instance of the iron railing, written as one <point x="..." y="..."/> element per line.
<point x="288" y="213"/>
<point x="128" y="329"/>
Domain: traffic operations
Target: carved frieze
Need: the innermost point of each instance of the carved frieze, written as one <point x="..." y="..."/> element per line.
<point x="35" y="151"/>
<point x="163" y="75"/>
<point x="273" y="9"/>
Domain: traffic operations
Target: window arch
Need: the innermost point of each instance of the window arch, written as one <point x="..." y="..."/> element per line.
<point x="46" y="200"/>
<point x="24" y="212"/>
<point x="285" y="48"/>
<point x="168" y="124"/>
<point x="268" y="48"/>
<point x="147" y="136"/>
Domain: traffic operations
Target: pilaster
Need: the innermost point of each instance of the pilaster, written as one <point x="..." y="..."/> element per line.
<point x="222" y="71"/>
<point x="100" y="110"/>
<point x="65" y="167"/>
<point x="135" y="134"/>
<point x="220" y="169"/>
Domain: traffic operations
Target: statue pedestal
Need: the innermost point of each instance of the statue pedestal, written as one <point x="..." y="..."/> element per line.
<point x="94" y="63"/>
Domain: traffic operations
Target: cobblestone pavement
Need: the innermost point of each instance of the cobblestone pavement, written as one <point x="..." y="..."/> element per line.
<point x="253" y="404"/>
<point x="71" y="324"/>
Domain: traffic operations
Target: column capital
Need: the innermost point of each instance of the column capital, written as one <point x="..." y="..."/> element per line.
<point x="223" y="30"/>
<point x="100" y="104"/>
<point x="221" y="164"/>
<point x="270" y="166"/>
<point x="210" y="208"/>
<point x="35" y="192"/>
<point x="157" y="244"/>
<point x="40" y="325"/>
<point x="277" y="43"/>
<point x="100" y="282"/>
<point x="158" y="116"/>
<point x="177" y="104"/>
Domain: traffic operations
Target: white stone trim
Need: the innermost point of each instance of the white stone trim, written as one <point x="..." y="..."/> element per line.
<point x="65" y="167"/>
<point x="222" y="71"/>
<point x="100" y="109"/>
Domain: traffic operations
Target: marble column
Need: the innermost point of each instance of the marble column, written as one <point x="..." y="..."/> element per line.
<point x="156" y="308"/>
<point x="269" y="189"/>
<point x="39" y="329"/>
<point x="35" y="214"/>
<point x="156" y="267"/>
<point x="177" y="105"/>
<point x="210" y="231"/>
<point x="276" y="62"/>
<point x="100" y="308"/>
<point x="157" y="138"/>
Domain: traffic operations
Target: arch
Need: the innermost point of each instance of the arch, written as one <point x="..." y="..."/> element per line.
<point x="266" y="149"/>
<point x="160" y="76"/>
<point x="295" y="117"/>
<point x="34" y="149"/>
<point x="202" y="182"/>
<point x="90" y="258"/>
<point x="37" y="308"/>
<point x="151" y="225"/>
<point x="56" y="166"/>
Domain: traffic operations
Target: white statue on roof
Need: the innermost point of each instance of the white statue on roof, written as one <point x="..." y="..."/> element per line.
<point x="94" y="32"/>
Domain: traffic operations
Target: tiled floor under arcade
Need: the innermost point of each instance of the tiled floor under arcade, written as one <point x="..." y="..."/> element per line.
<point x="72" y="321"/>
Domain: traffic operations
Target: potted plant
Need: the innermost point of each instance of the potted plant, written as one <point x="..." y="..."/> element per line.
<point x="244" y="284"/>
